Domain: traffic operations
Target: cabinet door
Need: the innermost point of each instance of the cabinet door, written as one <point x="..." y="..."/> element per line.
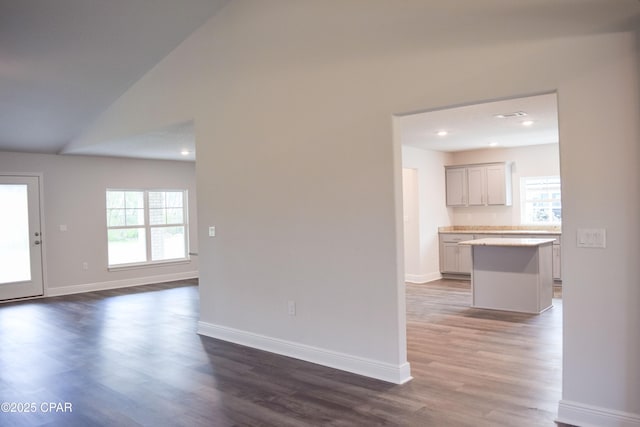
<point x="496" y="188"/>
<point x="450" y="258"/>
<point x="557" y="270"/>
<point x="464" y="259"/>
<point x="499" y="185"/>
<point x="456" y="186"/>
<point x="476" y="185"/>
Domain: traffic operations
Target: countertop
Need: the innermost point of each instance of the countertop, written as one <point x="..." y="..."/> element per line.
<point x="487" y="229"/>
<point x="507" y="242"/>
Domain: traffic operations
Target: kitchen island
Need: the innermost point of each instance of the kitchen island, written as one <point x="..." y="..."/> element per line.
<point x="513" y="274"/>
<point x="455" y="260"/>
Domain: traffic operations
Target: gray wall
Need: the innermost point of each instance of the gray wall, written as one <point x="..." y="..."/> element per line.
<point x="74" y="195"/>
<point x="298" y="168"/>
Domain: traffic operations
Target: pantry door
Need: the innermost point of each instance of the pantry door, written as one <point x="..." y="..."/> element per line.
<point x="20" y="237"/>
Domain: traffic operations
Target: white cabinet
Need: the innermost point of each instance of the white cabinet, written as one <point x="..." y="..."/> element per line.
<point x="479" y="185"/>
<point x="498" y="184"/>
<point x="464" y="259"/>
<point x="456" y="182"/>
<point x="557" y="270"/>
<point x="455" y="258"/>
<point x="449" y="257"/>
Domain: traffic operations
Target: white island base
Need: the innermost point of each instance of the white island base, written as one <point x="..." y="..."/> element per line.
<point x="512" y="274"/>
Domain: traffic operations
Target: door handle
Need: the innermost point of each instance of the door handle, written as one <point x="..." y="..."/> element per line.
<point x="37" y="242"/>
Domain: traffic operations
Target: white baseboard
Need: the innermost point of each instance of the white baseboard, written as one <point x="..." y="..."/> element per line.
<point x="582" y="415"/>
<point x="422" y="278"/>
<point x="397" y="374"/>
<point x="115" y="284"/>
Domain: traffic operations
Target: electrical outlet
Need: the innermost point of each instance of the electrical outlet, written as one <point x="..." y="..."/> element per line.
<point x="291" y="308"/>
<point x="212" y="231"/>
<point x="85" y="265"/>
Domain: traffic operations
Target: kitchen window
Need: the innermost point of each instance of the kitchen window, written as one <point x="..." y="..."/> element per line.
<point x="541" y="200"/>
<point x="146" y="226"/>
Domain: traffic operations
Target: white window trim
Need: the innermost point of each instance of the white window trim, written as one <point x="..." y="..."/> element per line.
<point x="147" y="226"/>
<point x="523" y="201"/>
<point x="139" y="265"/>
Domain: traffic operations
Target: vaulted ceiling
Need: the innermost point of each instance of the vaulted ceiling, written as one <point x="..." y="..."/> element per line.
<point x="64" y="62"/>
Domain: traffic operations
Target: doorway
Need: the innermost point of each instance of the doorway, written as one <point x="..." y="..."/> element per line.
<point x="20" y="238"/>
<point x="521" y="132"/>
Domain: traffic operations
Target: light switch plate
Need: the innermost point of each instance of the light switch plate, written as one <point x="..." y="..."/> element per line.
<point x="592" y="238"/>
<point x="212" y="231"/>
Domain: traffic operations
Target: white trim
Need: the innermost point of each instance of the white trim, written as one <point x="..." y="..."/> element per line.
<point x="115" y="284"/>
<point x="397" y="374"/>
<point x="138" y="266"/>
<point x="422" y="278"/>
<point x="43" y="231"/>
<point x="583" y="415"/>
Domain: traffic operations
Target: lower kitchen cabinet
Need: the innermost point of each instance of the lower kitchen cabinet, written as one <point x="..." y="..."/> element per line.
<point x="557" y="269"/>
<point x="456" y="258"/>
<point x="464" y="259"/>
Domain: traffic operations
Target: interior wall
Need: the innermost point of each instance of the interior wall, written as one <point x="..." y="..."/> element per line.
<point x="536" y="160"/>
<point x="432" y="212"/>
<point x="599" y="154"/>
<point x="297" y="168"/>
<point x="73" y="188"/>
<point x="410" y="199"/>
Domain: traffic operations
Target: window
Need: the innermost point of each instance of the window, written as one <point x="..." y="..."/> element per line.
<point x="540" y="198"/>
<point x="146" y="226"/>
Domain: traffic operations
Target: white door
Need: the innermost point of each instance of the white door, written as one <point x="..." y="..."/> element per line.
<point x="20" y="237"/>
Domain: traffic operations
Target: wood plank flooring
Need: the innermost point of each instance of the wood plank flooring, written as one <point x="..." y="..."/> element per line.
<point x="131" y="357"/>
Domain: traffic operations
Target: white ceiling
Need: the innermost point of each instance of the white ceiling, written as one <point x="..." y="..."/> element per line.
<point x="64" y="62"/>
<point x="476" y="126"/>
<point x="168" y="143"/>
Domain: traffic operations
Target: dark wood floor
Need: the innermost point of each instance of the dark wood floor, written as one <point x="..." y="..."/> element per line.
<point x="131" y="357"/>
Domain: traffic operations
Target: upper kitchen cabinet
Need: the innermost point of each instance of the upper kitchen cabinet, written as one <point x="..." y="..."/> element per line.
<point x="477" y="184"/>
<point x="456" y="179"/>
<point x="487" y="184"/>
<point x="499" y="184"/>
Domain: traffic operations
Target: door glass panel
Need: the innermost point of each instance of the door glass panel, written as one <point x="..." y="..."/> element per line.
<point x="15" y="259"/>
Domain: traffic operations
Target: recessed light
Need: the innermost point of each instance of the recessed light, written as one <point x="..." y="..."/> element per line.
<point x="493" y="144"/>
<point x="527" y="123"/>
<point x="185" y="152"/>
<point x="442" y="133"/>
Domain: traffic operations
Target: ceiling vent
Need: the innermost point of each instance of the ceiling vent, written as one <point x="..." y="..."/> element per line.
<point x="510" y="115"/>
